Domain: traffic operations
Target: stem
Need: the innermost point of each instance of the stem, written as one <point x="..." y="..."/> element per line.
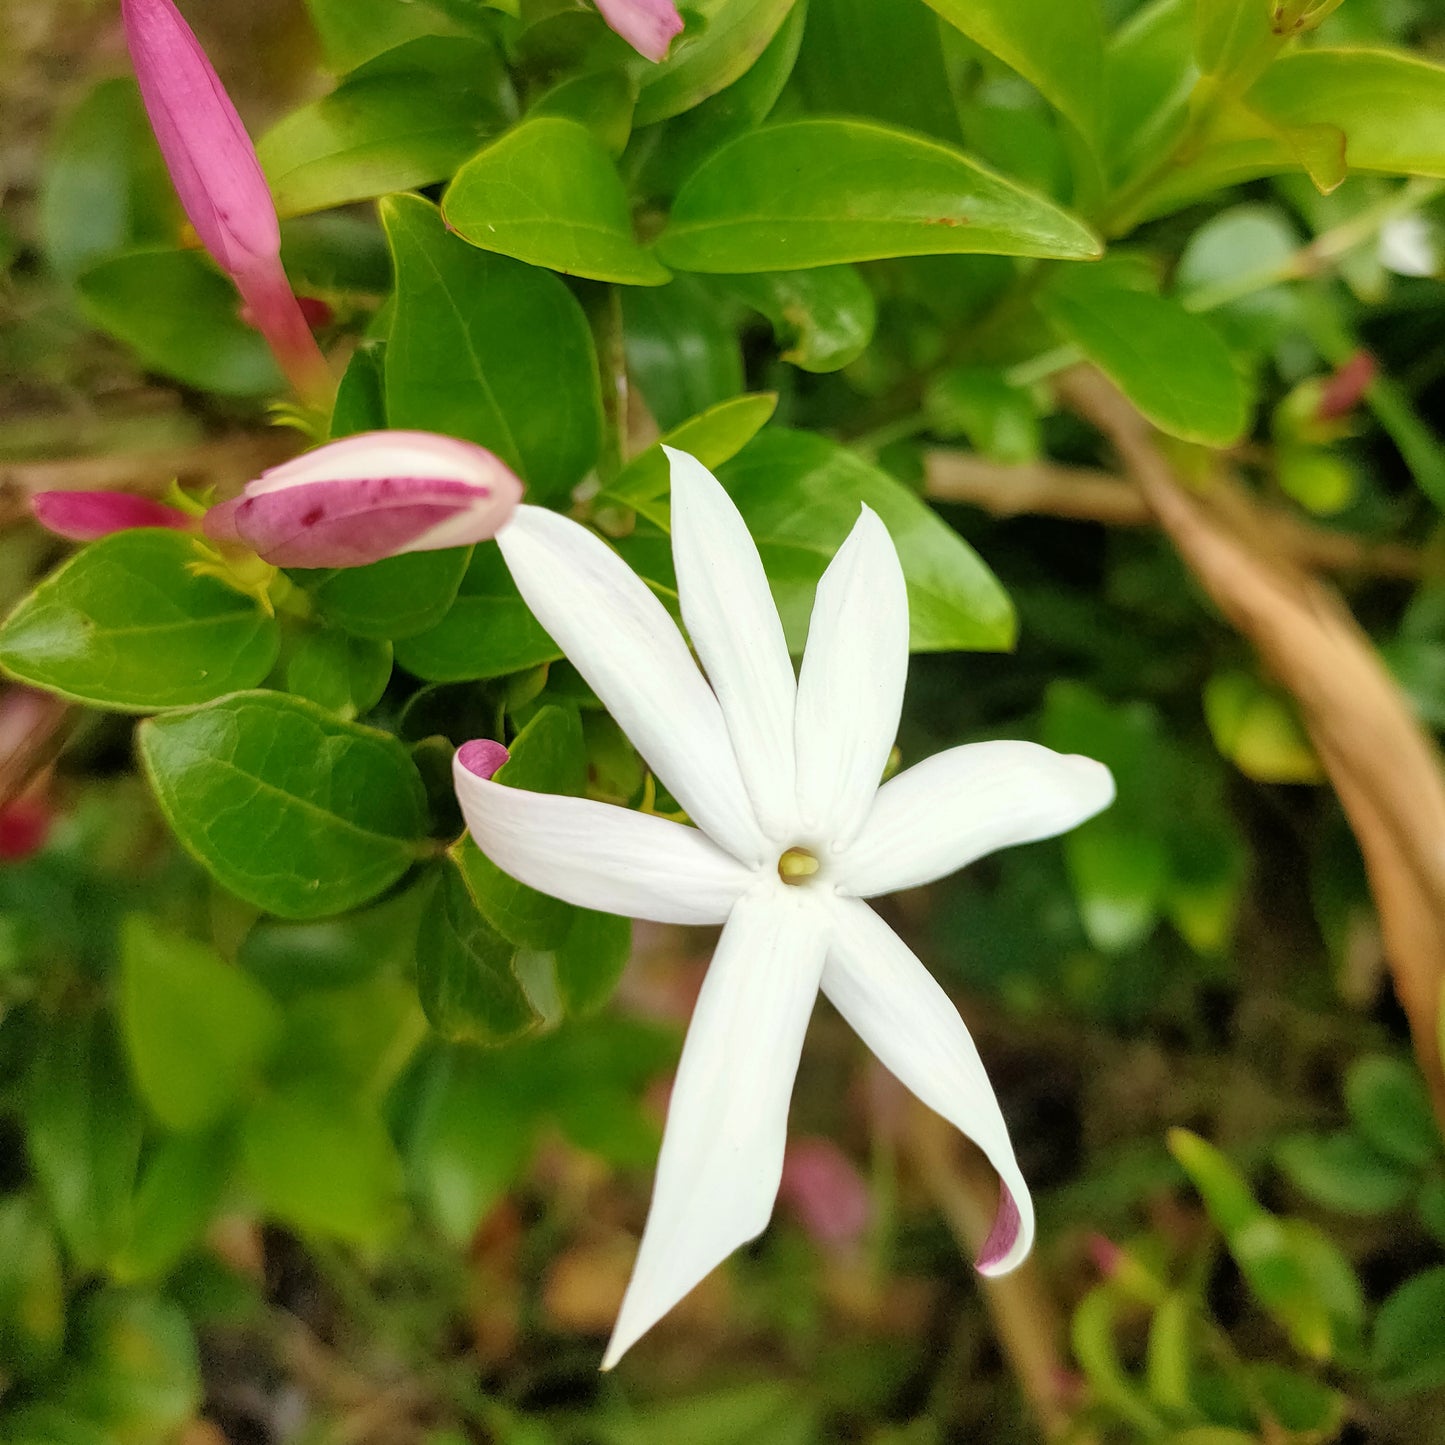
<point x="605" y="314"/>
<point x="273" y="310"/>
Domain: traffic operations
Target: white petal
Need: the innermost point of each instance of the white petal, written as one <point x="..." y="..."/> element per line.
<point x="722" y="1152"/>
<point x="944" y="812"/>
<point x="600" y="856"/>
<point x="897" y="1008"/>
<point x="734" y="626"/>
<point x="850" y="689"/>
<point x="620" y="638"/>
<point x="389" y="454"/>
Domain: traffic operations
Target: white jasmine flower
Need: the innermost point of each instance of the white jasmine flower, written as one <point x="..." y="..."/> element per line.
<point x="781" y="777"/>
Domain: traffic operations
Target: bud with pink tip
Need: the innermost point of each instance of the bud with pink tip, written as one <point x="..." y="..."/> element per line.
<point x="648" y="26"/>
<point x="824" y="1191"/>
<point x="219" y="181"/>
<point x="84" y="516"/>
<point x="367" y="497"/>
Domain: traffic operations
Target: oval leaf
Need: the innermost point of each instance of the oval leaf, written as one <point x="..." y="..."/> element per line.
<point x="127" y="624"/>
<point x="290" y="808"/>
<point x="764" y="203"/>
<point x="548" y="194"/>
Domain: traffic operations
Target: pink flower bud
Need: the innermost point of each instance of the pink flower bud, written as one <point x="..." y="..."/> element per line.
<point x="219" y="181"/>
<point x="1345" y="389"/>
<point x="84" y="516"/>
<point x="24" y="826"/>
<point x="648" y="26"/>
<point x="824" y="1191"/>
<point x="367" y="497"/>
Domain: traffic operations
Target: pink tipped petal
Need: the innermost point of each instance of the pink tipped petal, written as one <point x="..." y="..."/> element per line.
<point x="368" y="497"/>
<point x="727" y="1121"/>
<point x="1003" y="1237"/>
<point x="84" y="516"/>
<point x="595" y="855"/>
<point x="648" y="26"/>
<point x="207" y="151"/>
<point x="482" y="757"/>
<point x="898" y="1009"/>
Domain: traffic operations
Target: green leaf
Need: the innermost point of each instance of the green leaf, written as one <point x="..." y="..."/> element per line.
<point x="489" y="350"/>
<point x="763" y="1412"/>
<point x="354" y="31"/>
<point x="713" y="437"/>
<point x="83" y="1135"/>
<point x="547" y="756"/>
<point x="548" y="193"/>
<point x="126" y="623"/>
<point x="601" y="100"/>
<point x="323" y="1164"/>
<point x="823" y="318"/>
<point x="465" y="971"/>
<point x="1409" y="1345"/>
<point x="361" y="397"/>
<point x="1059" y="49"/>
<point x="1391" y="1108"/>
<point x="180" y="1192"/>
<point x="1258" y="729"/>
<point x="764" y="203"/>
<point x="1343" y="1172"/>
<point x="197" y="1029"/>
<point x="734" y="33"/>
<point x="487" y="632"/>
<point x="182" y="318"/>
<point x="1169" y="363"/>
<point x="1120" y="878"/>
<point x="104" y="186"/>
<point x="290" y="808"/>
<point x="999" y="420"/>
<point x="682" y="353"/>
<point x="1233" y="39"/>
<point x="406" y="118"/>
<point x="800" y="494"/>
<point x="394" y="598"/>
<point x="590" y="960"/>
<point x="32" y="1289"/>
<point x="345" y="675"/>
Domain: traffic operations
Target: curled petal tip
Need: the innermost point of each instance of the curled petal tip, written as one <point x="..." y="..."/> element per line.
<point x="483" y="757"/>
<point x="1002" y="1237"/>
<point x="648" y="26"/>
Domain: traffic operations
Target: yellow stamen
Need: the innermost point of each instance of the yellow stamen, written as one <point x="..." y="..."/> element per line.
<point x="796" y="866"/>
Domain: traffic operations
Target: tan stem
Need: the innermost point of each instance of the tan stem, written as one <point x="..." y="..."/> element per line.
<point x="1384" y="766"/>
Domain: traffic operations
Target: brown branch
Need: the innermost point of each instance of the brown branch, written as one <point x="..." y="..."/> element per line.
<point x="1384" y="766"/>
<point x="963" y="1185"/>
<point x="1086" y="494"/>
<point x="33" y="727"/>
<point x="225" y="463"/>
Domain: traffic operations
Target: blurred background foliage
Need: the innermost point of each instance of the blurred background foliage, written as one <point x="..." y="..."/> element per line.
<point x="275" y="1171"/>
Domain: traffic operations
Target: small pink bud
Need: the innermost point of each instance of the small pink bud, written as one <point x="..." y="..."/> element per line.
<point x="84" y="516"/>
<point x="24" y="826"/>
<point x="648" y="26"/>
<point x="220" y="183"/>
<point x="824" y="1191"/>
<point x="367" y="497"/>
<point x="1345" y="389"/>
<point x="1106" y="1254"/>
<point x="317" y="313"/>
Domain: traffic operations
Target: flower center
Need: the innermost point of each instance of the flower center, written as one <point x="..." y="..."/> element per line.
<point x="797" y="866"/>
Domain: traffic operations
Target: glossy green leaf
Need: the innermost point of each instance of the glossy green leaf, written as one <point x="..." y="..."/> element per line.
<point x="346" y="675"/>
<point x="1172" y="365"/>
<point x="590" y="960"/>
<point x="127" y="623"/>
<point x="1344" y="1172"/>
<point x="394" y="598"/>
<point x="485" y="348"/>
<point x="361" y="397"/>
<point x="547" y="756"/>
<point x="601" y="100"/>
<point x="547" y="193"/>
<point x="823" y="319"/>
<point x="1409" y="1345"/>
<point x="290" y="808"/>
<point x="1388" y="1101"/>
<point x="83" y="1135"/>
<point x="1233" y="39"/>
<point x="405" y="118"/>
<point x="105" y="186"/>
<point x="323" y="1164"/>
<point x="1059" y="49"/>
<point x="763" y="202"/>
<point x="182" y="318"/>
<point x="1149" y="75"/>
<point x="196" y="1028"/>
<point x="355" y="31"/>
<point x="682" y="352"/>
<point x="465" y="971"/>
<point x="486" y="632"/>
<point x="800" y="495"/>
<point x="733" y="34"/>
